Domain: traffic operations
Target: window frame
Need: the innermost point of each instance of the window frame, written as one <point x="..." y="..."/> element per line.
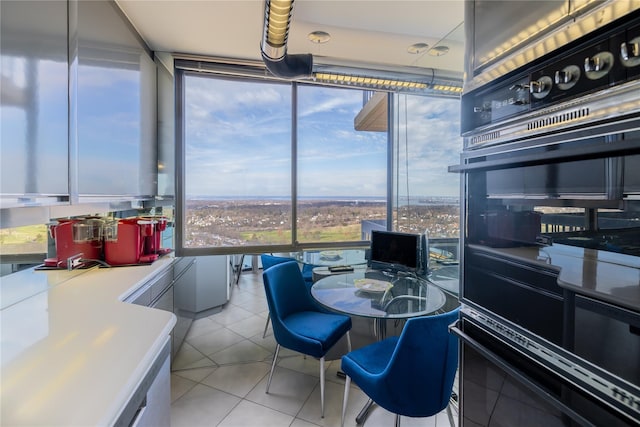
<point x="239" y="73"/>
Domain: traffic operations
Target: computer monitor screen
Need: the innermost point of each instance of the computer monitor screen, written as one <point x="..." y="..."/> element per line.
<point x="395" y="250"/>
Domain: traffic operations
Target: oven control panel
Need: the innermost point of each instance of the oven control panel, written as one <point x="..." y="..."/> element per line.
<point x="604" y="60"/>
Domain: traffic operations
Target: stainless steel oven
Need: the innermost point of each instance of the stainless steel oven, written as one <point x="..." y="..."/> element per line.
<point x="550" y="249"/>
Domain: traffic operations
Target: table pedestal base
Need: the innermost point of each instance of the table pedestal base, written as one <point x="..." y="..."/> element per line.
<point x="364" y="412"/>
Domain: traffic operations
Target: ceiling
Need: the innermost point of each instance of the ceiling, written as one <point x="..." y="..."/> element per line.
<point x="362" y="31"/>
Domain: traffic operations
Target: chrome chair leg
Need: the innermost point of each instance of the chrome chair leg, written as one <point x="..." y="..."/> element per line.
<point x="273" y="365"/>
<point x="345" y="399"/>
<point x="450" y="415"/>
<point x="266" y="326"/>
<point x="322" y="387"/>
<point x="397" y="420"/>
<point x="349" y="340"/>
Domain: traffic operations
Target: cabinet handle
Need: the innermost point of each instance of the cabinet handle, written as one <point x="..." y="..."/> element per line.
<point x="139" y="413"/>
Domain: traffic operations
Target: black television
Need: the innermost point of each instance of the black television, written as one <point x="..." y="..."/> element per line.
<point x="396" y="251"/>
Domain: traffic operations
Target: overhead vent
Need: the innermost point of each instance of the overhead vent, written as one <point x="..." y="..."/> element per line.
<point x="331" y="71"/>
<point x="277" y="17"/>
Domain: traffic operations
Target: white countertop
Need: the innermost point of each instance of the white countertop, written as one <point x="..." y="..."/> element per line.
<point x="71" y="351"/>
<point x="602" y="275"/>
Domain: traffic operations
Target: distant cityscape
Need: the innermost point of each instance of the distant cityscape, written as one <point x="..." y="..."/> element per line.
<point x="232" y="221"/>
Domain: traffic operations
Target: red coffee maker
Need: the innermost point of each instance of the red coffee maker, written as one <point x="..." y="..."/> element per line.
<point x="79" y="238"/>
<point x="125" y="240"/>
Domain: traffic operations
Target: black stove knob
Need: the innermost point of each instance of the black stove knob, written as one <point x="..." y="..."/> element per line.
<point x="537" y="86"/>
<point x="566" y="78"/>
<point x="630" y="52"/>
<point x="563" y="77"/>
<point x="541" y="87"/>
<point x="598" y="65"/>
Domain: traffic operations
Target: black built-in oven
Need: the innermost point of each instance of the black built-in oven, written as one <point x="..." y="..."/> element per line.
<point x="550" y="242"/>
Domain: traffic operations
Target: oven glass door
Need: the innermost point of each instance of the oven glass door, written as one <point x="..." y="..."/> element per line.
<point x="501" y="387"/>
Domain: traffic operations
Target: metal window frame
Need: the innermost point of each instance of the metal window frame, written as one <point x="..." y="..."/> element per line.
<point x="252" y="72"/>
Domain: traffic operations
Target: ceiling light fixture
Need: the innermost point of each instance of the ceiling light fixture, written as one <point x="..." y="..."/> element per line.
<point x="371" y="82"/>
<point x="439" y="50"/>
<point x="417" y="48"/>
<point x="319" y="37"/>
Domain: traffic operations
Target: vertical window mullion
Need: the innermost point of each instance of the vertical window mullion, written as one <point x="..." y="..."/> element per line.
<point x="294" y="164"/>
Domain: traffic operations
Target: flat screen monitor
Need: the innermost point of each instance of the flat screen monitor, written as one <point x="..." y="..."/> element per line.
<point x="395" y="250"/>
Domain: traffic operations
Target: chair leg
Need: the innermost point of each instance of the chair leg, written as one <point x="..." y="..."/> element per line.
<point x="348" y="340"/>
<point x="266" y="325"/>
<point x="273" y="365"/>
<point x="322" y="387"/>
<point x="397" y="420"/>
<point x="345" y="399"/>
<point x="450" y="415"/>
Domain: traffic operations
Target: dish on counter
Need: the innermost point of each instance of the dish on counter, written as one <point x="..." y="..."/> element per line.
<point x="372" y="285"/>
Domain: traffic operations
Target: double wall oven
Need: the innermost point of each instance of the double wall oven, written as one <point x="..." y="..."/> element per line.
<point x="550" y="249"/>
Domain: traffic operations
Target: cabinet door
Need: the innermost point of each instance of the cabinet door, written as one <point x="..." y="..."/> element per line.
<point x="184" y="299"/>
<point x="115" y="105"/>
<point x="34" y="106"/>
<point x="166" y="131"/>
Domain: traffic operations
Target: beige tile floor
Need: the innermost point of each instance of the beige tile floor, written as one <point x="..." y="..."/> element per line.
<point x="220" y="373"/>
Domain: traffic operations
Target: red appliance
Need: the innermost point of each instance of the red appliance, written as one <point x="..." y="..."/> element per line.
<point x="153" y="240"/>
<point x="80" y="237"/>
<point x="124" y="242"/>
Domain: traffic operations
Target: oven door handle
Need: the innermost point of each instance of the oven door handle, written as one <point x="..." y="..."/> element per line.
<point x="517" y="374"/>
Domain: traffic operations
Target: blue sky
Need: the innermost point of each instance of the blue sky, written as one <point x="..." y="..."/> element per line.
<point x="239" y="143"/>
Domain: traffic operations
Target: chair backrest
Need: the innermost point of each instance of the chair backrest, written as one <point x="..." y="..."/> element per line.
<point x="286" y="292"/>
<point x="423" y="367"/>
<point x="271" y="260"/>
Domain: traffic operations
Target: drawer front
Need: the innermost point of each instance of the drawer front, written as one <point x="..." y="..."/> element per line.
<point x="141" y="298"/>
<point x="160" y="284"/>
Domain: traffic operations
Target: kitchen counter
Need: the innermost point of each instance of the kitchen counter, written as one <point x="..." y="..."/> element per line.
<point x="602" y="275"/>
<point x="72" y="352"/>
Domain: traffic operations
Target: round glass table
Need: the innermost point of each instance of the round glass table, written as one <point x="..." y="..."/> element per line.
<point x="378" y="295"/>
<point x="351" y="257"/>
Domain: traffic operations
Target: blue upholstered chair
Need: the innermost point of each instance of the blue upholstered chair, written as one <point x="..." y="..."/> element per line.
<point x="271" y="260"/>
<point x="299" y="323"/>
<point x="410" y="375"/>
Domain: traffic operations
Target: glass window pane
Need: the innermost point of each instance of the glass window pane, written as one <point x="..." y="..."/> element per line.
<point x="237" y="162"/>
<point x="342" y="173"/>
<point x="426" y="142"/>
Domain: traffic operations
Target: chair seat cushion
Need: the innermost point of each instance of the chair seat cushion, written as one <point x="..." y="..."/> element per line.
<point x="321" y="330"/>
<point x="373" y="358"/>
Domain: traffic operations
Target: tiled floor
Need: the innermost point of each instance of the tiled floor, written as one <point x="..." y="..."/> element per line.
<point x="220" y="373"/>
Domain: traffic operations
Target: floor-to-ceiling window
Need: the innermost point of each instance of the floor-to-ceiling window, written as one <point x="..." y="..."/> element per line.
<point x="237" y="162"/>
<point x="270" y="165"/>
<point x="342" y="172"/>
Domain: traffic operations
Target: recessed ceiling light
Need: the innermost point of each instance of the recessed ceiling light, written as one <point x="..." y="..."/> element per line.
<point x="439" y="50"/>
<point x="417" y="48"/>
<point x="319" y="37"/>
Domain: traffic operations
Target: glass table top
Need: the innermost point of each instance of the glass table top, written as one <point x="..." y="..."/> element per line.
<point x="350" y="257"/>
<point x="378" y="295"/>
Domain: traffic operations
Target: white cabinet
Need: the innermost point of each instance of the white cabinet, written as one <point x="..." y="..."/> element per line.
<point x="114" y="107"/>
<point x="207" y="291"/>
<point x="213" y="277"/>
<point x="150" y="404"/>
<point x="33" y="114"/>
<point x="184" y="279"/>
